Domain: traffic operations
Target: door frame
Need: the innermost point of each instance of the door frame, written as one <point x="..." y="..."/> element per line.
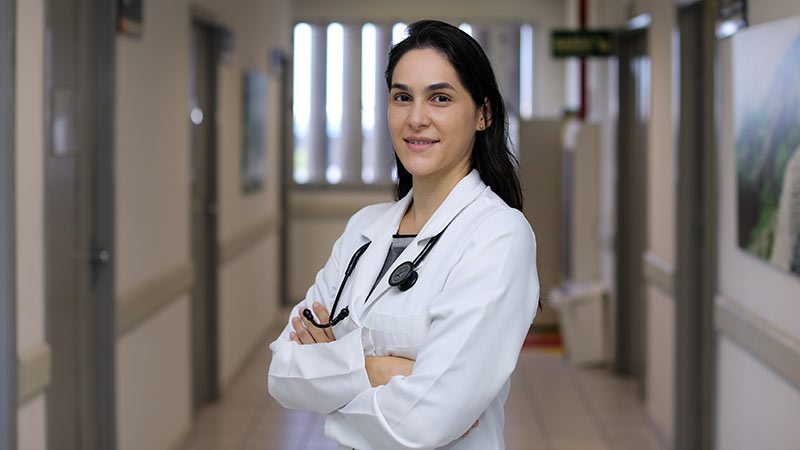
<point x="696" y="207"/>
<point x="8" y="345"/>
<point x="630" y="351"/>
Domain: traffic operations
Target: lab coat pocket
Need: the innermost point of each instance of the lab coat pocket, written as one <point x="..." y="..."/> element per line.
<point x="398" y="334"/>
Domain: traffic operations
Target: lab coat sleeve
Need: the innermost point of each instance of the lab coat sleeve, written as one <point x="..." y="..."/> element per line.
<point x="319" y="377"/>
<point x="478" y="324"/>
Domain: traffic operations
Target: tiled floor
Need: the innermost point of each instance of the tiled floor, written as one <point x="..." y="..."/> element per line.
<point x="552" y="406"/>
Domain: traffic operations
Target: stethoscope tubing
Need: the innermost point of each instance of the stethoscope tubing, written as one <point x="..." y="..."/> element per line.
<point x="403" y="277"/>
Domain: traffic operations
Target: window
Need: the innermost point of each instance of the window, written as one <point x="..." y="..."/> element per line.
<point x="323" y="150"/>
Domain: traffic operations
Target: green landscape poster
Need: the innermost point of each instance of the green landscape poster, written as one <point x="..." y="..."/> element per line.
<point x="766" y="99"/>
<point x="766" y="95"/>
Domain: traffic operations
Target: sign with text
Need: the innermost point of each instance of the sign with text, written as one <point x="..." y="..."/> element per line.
<point x="582" y="43"/>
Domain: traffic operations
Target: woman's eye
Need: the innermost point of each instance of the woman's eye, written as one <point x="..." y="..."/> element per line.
<point x="441" y="98"/>
<point x="402" y="98"/>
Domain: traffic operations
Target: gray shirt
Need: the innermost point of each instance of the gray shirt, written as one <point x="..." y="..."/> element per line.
<point x="399" y="243"/>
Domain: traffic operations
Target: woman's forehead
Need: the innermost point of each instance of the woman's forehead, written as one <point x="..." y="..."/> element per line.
<point x="420" y="68"/>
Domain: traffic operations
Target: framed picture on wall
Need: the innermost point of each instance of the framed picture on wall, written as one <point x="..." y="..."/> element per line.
<point x="129" y="17"/>
<point x="254" y="103"/>
<point x="766" y="103"/>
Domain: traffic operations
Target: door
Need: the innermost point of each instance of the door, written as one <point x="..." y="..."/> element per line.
<point x="634" y="112"/>
<point x="203" y="82"/>
<point x="695" y="270"/>
<point x="79" y="283"/>
<point x="282" y="68"/>
<point x="8" y="347"/>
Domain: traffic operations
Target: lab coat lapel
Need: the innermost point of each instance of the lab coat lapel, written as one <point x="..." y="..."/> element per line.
<point x="464" y="193"/>
<point x="379" y="233"/>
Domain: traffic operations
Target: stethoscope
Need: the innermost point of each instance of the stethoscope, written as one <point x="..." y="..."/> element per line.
<point x="403" y="276"/>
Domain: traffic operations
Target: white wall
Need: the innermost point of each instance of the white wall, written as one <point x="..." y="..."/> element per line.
<point x="661" y="188"/>
<point x="30" y="320"/>
<point x="769" y="296"/>
<point x="152" y="224"/>
<point x="316" y="221"/>
<point x="153" y="207"/>
<point x="154" y="390"/>
<point x="248" y="289"/>
<point x="661" y="219"/>
<point x="756" y="408"/>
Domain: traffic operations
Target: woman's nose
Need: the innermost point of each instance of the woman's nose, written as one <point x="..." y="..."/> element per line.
<point x="418" y="116"/>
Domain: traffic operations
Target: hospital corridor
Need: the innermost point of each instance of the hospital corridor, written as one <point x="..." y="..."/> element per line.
<point x="520" y="224"/>
<point x="551" y="406"/>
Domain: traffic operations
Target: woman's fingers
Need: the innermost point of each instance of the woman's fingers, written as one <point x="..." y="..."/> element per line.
<point x="324" y="317"/>
<point x="317" y="333"/>
<point x="302" y="333"/>
<point x="470" y="429"/>
<point x="306" y="333"/>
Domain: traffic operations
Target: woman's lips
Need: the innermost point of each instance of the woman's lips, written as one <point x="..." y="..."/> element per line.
<point x="419" y="144"/>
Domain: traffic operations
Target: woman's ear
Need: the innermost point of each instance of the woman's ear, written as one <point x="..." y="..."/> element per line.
<point x="486" y="115"/>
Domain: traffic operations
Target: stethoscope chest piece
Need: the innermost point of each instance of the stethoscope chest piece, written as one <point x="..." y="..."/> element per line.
<point x="404" y="276"/>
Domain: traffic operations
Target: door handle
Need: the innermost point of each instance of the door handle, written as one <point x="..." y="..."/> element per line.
<point x="101" y="256"/>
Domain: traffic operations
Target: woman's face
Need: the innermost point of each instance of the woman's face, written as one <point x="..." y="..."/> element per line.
<point x="432" y="117"/>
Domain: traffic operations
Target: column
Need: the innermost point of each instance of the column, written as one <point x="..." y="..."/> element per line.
<point x="317" y="133"/>
<point x="383" y="151"/>
<point x="351" y="139"/>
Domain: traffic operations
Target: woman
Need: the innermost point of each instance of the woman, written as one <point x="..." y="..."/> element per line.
<point x="422" y="362"/>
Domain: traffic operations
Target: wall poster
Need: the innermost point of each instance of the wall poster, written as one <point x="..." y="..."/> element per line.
<point x="766" y="102"/>
<point x="254" y="102"/>
<point x="129" y="17"/>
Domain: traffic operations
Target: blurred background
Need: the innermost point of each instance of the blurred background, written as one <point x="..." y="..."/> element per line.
<point x="174" y="173"/>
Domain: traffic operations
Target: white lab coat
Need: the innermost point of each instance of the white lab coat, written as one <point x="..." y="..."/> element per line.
<point x="463" y="322"/>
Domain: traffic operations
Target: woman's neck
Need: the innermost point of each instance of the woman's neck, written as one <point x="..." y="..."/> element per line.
<point x="427" y="196"/>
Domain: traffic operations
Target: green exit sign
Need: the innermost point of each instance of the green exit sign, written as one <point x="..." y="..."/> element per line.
<point x="582" y="43"/>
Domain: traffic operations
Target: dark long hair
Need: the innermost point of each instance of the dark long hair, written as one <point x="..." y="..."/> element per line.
<point x="491" y="155"/>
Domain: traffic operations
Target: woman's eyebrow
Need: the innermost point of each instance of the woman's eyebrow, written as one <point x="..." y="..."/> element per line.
<point x="439" y="86"/>
<point x="433" y="87"/>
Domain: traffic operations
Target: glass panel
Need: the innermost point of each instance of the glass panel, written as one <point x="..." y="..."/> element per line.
<point x="333" y="102"/>
<point x="301" y="95"/>
<point x="368" y="80"/>
<point x="526" y="71"/>
<point x="399" y="32"/>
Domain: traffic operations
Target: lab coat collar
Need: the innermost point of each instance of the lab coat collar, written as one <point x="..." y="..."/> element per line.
<point x="464" y="193"/>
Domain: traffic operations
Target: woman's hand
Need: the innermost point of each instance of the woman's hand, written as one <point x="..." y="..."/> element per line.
<point x="306" y="333"/>
<point x="470" y="429"/>
<point x="381" y="369"/>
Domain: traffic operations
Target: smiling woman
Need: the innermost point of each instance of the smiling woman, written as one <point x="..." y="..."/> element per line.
<point x="432" y="118"/>
<point x="441" y="287"/>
